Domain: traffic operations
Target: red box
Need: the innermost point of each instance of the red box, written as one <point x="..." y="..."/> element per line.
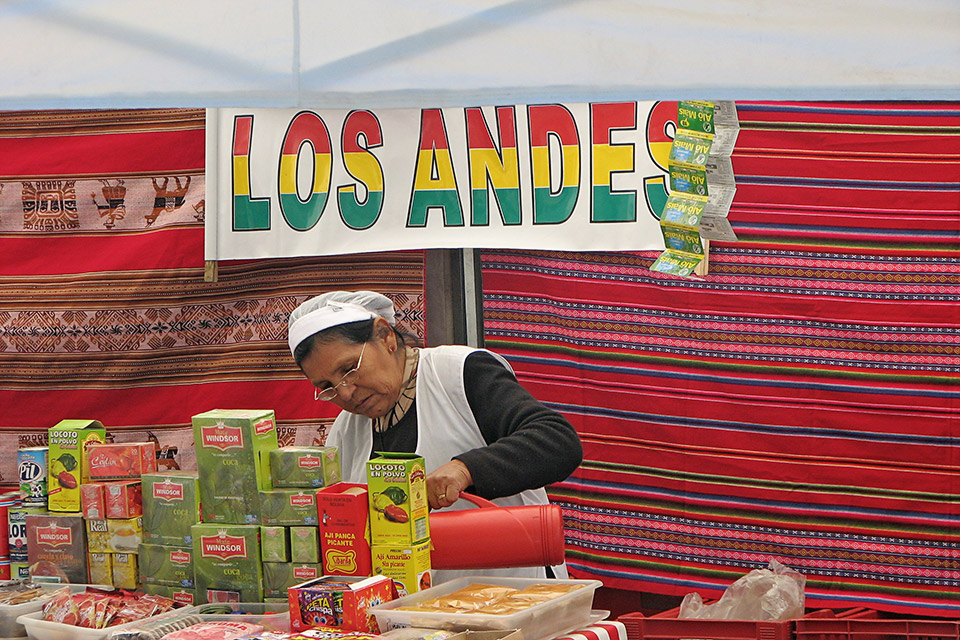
<point x="344" y="529"/>
<point x="122" y="461"/>
<point x="123" y="499"/>
<point x="93" y="502"/>
<point x="338" y="601"/>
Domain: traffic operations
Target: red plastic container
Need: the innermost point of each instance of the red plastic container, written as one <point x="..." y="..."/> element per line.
<point x="865" y="629"/>
<point x="667" y="626"/>
<point x="492" y="537"/>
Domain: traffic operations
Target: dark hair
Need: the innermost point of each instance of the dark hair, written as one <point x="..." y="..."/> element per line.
<point x="352" y="332"/>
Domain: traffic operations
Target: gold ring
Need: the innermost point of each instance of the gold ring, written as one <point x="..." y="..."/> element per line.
<point x="442" y="496"/>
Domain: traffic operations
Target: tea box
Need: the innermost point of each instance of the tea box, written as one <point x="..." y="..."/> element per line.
<point x="123" y="499"/>
<point x="304" y="467"/>
<point x="160" y="564"/>
<point x="288" y="507"/>
<point x="274" y="544"/>
<point x="304" y="545"/>
<point x="56" y="548"/>
<point x="344" y="529"/>
<point x="125" y="573"/>
<point x="232" y="448"/>
<point x="171" y="505"/>
<point x="179" y="595"/>
<point x="397" y="495"/>
<point x="93" y="500"/>
<point x="32" y="470"/>
<point x="67" y="468"/>
<point x="226" y="563"/>
<point x="280" y="576"/>
<point x="100" y="568"/>
<point x="120" y="461"/>
<point x="115" y="535"/>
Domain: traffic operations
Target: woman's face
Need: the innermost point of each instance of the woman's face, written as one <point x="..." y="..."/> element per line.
<point x="377" y="386"/>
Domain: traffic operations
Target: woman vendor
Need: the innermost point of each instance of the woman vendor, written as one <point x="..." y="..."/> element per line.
<point x="460" y="408"/>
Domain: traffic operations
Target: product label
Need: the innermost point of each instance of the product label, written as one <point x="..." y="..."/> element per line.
<point x="263" y="426"/>
<point x="179" y="557"/>
<point x="301" y="500"/>
<point x="223" y="546"/>
<point x="305" y="573"/>
<point x="220" y="436"/>
<point x="54" y="536"/>
<point x="168" y="491"/>
<point x="336" y="561"/>
<point x="308" y="462"/>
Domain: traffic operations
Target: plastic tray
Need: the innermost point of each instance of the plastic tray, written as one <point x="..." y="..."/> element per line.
<point x="667" y="626"/>
<point x="10" y="628"/>
<point x="274" y="616"/>
<point x="875" y="629"/>
<point x="539" y="622"/>
<point x="38" y="629"/>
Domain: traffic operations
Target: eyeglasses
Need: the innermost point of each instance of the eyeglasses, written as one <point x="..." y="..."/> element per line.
<point x="350" y="377"/>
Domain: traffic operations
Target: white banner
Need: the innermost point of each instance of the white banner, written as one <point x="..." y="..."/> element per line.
<point x="584" y="177"/>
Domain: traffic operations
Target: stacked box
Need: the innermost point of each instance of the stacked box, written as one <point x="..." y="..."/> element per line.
<point x="182" y="596"/>
<point x="227" y="564"/>
<point x="121" y="461"/>
<point x="304" y="467"/>
<point x="171" y="505"/>
<point x="278" y="577"/>
<point x="397" y="488"/>
<point x="232" y="448"/>
<point x="69" y="442"/>
<point x="408" y="566"/>
<point x="56" y="548"/>
<point x="288" y="507"/>
<point x="344" y="529"/>
<point x="304" y="545"/>
<point x="274" y="544"/>
<point x="338" y="601"/>
<point x="166" y="565"/>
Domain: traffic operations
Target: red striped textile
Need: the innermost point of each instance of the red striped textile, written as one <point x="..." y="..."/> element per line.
<point x="104" y="311"/>
<point x="800" y="402"/>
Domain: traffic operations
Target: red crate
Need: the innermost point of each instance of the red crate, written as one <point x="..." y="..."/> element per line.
<point x="876" y="629"/>
<point x="667" y="626"/>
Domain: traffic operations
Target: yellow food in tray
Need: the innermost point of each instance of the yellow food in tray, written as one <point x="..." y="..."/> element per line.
<point x="492" y="599"/>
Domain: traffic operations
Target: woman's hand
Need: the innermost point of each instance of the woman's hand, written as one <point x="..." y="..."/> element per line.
<point x="446" y="482"/>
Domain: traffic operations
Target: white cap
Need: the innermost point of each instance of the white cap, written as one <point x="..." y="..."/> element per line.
<point x="335" y="308"/>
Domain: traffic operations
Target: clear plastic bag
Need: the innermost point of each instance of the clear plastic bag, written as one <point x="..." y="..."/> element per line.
<point x="774" y="593"/>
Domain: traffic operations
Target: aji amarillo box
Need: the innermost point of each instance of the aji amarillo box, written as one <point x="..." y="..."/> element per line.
<point x="226" y="563"/>
<point x="171" y="505"/>
<point x="232" y="448"/>
<point x="409" y="565"/>
<point x="56" y="547"/>
<point x="344" y="529"/>
<point x="397" y="485"/>
<point x="67" y="468"/>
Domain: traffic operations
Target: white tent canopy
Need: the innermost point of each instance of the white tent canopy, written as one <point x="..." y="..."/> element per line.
<point x="382" y="53"/>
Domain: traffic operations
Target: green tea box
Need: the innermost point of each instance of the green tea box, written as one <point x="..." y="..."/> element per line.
<point x="226" y="563"/>
<point x="67" y="466"/>
<point x="177" y="594"/>
<point x="166" y="565"/>
<point x="304" y="544"/>
<point x="280" y="576"/>
<point x="397" y="499"/>
<point x="171" y="505"/>
<point x="274" y="544"/>
<point x="288" y="507"/>
<point x="304" y="467"/>
<point x="233" y="459"/>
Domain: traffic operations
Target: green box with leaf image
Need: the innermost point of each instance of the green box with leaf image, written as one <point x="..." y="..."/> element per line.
<point x="280" y="576"/>
<point x="226" y="557"/>
<point x="288" y="507"/>
<point x="304" y="467"/>
<point x="166" y="565"/>
<point x="233" y="460"/>
<point x="171" y="505"/>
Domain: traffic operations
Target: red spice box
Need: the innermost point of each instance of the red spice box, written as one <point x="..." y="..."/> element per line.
<point x="122" y="461"/>
<point x="344" y="530"/>
<point x="338" y="601"/>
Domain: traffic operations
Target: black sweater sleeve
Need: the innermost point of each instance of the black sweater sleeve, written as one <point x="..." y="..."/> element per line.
<point x="528" y="445"/>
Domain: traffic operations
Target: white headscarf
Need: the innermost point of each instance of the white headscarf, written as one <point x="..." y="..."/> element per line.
<point x="335" y="308"/>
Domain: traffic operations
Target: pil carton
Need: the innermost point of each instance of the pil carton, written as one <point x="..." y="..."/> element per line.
<point x="67" y="466"/>
<point x="338" y="601"/>
<point x="304" y="467"/>
<point x="171" y="505"/>
<point x="408" y="565"/>
<point x="233" y="447"/>
<point x="226" y="563"/>
<point x="397" y="498"/>
<point x="344" y="529"/>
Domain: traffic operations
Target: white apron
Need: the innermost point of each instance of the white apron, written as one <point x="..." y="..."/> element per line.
<point x="445" y="428"/>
